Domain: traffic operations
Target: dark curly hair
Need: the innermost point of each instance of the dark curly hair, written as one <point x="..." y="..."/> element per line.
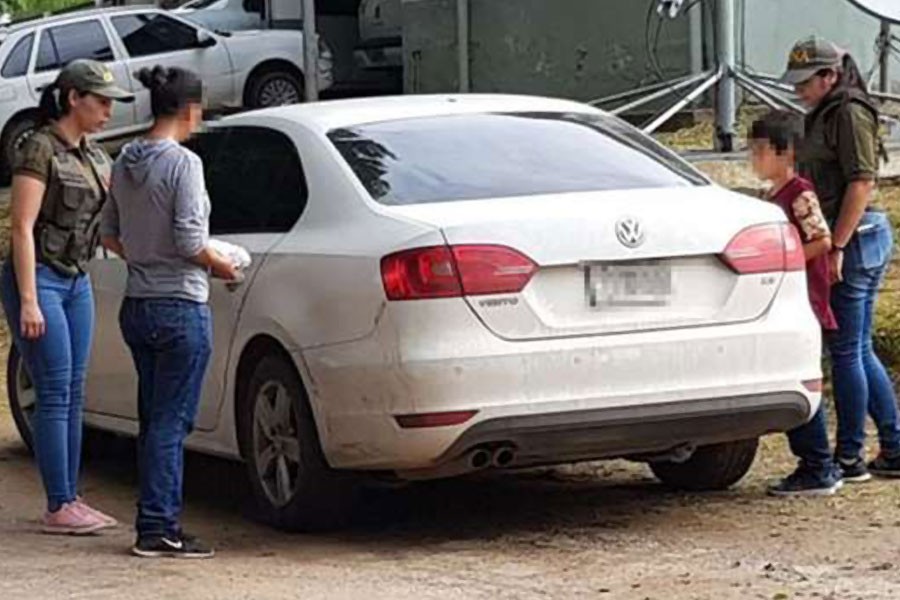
<point x="171" y="89"/>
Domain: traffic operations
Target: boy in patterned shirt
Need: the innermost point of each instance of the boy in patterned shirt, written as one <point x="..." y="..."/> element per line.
<point x="773" y="140"/>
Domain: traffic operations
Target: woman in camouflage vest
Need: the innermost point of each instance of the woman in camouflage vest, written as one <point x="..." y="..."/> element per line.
<point x="60" y="183"/>
<point x="840" y="156"/>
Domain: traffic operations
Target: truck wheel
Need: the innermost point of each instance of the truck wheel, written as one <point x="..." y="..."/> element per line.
<point x="15" y="135"/>
<point x="715" y="467"/>
<point x="274" y="88"/>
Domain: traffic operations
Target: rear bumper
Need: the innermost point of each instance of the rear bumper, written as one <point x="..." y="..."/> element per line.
<point x="628" y="431"/>
<point x="559" y="400"/>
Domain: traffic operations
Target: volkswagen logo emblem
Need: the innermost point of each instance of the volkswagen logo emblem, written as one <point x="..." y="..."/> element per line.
<point x="630" y="232"/>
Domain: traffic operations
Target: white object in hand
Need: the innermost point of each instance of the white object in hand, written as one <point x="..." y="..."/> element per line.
<point x="237" y="254"/>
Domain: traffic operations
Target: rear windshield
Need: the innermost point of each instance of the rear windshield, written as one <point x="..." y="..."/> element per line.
<point x="478" y="156"/>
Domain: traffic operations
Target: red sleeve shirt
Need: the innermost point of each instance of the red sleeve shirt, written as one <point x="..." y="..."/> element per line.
<point x="797" y="198"/>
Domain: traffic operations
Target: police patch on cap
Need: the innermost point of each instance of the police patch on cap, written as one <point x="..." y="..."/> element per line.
<point x="809" y="56"/>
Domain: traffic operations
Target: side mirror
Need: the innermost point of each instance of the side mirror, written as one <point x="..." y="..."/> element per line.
<point x="205" y="39"/>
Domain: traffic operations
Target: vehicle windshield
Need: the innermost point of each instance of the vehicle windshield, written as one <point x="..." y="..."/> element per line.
<point x="502" y="155"/>
<point x="199" y="4"/>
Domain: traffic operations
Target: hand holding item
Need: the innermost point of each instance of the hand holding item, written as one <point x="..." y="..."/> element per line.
<point x="239" y="256"/>
<point x="223" y="268"/>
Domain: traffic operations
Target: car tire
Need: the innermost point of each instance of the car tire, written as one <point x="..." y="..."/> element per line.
<point x="274" y="88"/>
<point x="17" y="132"/>
<point x="294" y="488"/>
<point x="715" y="467"/>
<point x="20" y="392"/>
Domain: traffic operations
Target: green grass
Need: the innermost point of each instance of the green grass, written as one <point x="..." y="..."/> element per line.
<point x="887" y="321"/>
<point x="20" y="9"/>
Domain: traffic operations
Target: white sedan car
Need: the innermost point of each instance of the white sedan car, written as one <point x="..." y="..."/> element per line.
<point x="244" y="69"/>
<point x="448" y="284"/>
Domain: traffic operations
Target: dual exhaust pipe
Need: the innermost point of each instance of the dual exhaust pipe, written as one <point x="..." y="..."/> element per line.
<point x="499" y="457"/>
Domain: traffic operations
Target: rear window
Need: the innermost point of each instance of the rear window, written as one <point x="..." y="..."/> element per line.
<point x="469" y="157"/>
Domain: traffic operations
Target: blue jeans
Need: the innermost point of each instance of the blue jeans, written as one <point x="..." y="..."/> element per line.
<point x="861" y="383"/>
<point x="57" y="363"/>
<point x="810" y="444"/>
<point x="170" y="342"/>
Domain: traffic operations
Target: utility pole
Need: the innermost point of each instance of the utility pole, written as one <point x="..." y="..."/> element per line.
<point x="310" y="51"/>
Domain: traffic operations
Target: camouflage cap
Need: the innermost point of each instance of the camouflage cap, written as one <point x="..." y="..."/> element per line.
<point x="93" y="77"/>
<point x="809" y="56"/>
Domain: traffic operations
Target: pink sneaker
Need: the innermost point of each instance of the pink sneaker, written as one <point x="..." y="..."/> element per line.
<point x="110" y="521"/>
<point x="69" y="520"/>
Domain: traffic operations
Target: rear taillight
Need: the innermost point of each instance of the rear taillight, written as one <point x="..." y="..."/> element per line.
<point x="492" y="269"/>
<point x="420" y="273"/>
<point x="794" y="257"/>
<point x="765" y="249"/>
<point x="452" y="271"/>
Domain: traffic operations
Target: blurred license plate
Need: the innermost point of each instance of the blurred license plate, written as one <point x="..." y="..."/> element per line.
<point x="633" y="284"/>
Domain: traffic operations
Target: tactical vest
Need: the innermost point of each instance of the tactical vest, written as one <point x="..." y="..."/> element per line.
<point x="67" y="231"/>
<point x="819" y="158"/>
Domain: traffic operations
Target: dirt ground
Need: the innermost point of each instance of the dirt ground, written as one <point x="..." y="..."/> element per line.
<point x="603" y="530"/>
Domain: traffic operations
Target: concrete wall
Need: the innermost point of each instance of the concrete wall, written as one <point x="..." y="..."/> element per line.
<point x="584" y="49"/>
<point x="572" y="48"/>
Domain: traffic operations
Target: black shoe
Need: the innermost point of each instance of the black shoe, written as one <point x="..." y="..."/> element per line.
<point x="807" y="482"/>
<point x="884" y="466"/>
<point x="181" y="546"/>
<point x="854" y="471"/>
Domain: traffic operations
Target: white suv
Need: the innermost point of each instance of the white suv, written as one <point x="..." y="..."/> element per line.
<point x="249" y="68"/>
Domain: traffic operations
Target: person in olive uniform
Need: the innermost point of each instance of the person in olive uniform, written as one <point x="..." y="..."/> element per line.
<point x="60" y="183"/>
<point x="840" y="156"/>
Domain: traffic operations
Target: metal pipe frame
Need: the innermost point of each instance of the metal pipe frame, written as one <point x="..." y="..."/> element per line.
<point x="770" y="98"/>
<point x="671" y="89"/>
<point x="726" y="94"/>
<point x="712" y="80"/>
<point x="884" y="58"/>
<point x="884" y="96"/>
<point x="767" y="88"/>
<point x="642" y="90"/>
<point x="770" y="81"/>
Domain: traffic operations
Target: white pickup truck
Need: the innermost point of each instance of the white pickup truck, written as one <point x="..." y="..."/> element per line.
<point x="365" y="36"/>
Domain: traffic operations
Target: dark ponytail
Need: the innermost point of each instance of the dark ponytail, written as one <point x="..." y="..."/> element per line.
<point x="851" y="77"/>
<point x="54" y="103"/>
<point x="171" y="89"/>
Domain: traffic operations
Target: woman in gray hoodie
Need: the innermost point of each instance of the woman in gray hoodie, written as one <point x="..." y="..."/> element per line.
<point x="158" y="220"/>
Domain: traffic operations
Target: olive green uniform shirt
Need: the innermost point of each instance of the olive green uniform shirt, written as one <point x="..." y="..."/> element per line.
<point x="841" y="147"/>
<point x="77" y="183"/>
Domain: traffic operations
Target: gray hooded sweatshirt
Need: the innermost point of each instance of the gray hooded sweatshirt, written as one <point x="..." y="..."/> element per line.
<point x="159" y="210"/>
